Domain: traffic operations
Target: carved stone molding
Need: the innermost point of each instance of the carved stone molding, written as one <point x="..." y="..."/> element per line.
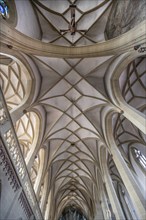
<point x="8" y="169"/>
<point x="122" y="44"/>
<point x="15" y="153"/>
<point x="14" y="166"/>
<point x="3" y="115"/>
<point x="25" y="205"/>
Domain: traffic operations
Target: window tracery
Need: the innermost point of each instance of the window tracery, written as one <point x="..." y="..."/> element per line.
<point x="132" y="83"/>
<point x="140" y="157"/>
<point x="13" y="82"/>
<point x="76" y="151"/>
<point x="120" y="189"/>
<point x="4" y="11"/>
<point x="72" y="214"/>
<point x="27" y="131"/>
<point x="27" y="128"/>
<point x="126" y="135"/>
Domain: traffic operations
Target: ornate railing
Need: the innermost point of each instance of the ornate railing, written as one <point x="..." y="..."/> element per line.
<point x="13" y="150"/>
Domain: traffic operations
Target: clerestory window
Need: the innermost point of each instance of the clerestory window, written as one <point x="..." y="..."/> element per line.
<point x="140" y="157"/>
<point x="4" y="12"/>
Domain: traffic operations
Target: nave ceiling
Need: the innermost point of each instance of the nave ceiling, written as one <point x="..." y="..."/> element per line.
<point x="68" y="100"/>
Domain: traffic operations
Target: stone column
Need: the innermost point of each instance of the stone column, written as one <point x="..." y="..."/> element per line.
<point x="39" y="178"/>
<point x="45" y="195"/>
<point x="128" y="179"/>
<point x="105" y="207"/>
<point x="99" y="213"/>
<point x="137" y="118"/>
<point x="112" y="83"/>
<point x="125" y="207"/>
<point x="113" y="198"/>
<point x="108" y="190"/>
<point x="48" y="206"/>
<point x="129" y="182"/>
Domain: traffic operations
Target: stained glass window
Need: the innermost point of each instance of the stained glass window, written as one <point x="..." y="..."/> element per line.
<point x="4" y="12"/>
<point x="72" y="214"/>
<point x="140" y="157"/>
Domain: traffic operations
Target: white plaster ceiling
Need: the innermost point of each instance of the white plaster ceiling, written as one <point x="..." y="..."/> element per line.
<point x="73" y="108"/>
<point x="90" y="16"/>
<point x="73" y="96"/>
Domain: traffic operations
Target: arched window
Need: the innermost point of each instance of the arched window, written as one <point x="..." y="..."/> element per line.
<point x="72" y="213"/>
<point x="27" y="128"/>
<point x="4" y="11"/>
<point x="126" y="202"/>
<point x="13" y="81"/>
<point x="140" y="157"/>
<point x="132" y="83"/>
<point x="122" y="193"/>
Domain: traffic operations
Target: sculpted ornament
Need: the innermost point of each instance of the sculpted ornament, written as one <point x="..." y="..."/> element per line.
<point x="3" y="116"/>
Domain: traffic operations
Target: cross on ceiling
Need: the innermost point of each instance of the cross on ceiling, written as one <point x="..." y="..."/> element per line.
<point x="72" y="28"/>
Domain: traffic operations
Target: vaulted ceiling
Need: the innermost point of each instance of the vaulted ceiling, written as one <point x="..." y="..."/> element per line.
<point x="90" y="18"/>
<point x="72" y="95"/>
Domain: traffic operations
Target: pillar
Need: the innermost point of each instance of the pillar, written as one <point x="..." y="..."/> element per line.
<point x="45" y="195"/>
<point x="125" y="173"/>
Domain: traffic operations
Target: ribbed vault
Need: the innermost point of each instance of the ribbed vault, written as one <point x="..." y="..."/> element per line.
<point x="13" y="81"/>
<point x="63" y="132"/>
<point x="73" y="129"/>
<point x="89" y="31"/>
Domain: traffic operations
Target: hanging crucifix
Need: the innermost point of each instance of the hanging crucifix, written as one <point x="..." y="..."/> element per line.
<point x="72" y="27"/>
